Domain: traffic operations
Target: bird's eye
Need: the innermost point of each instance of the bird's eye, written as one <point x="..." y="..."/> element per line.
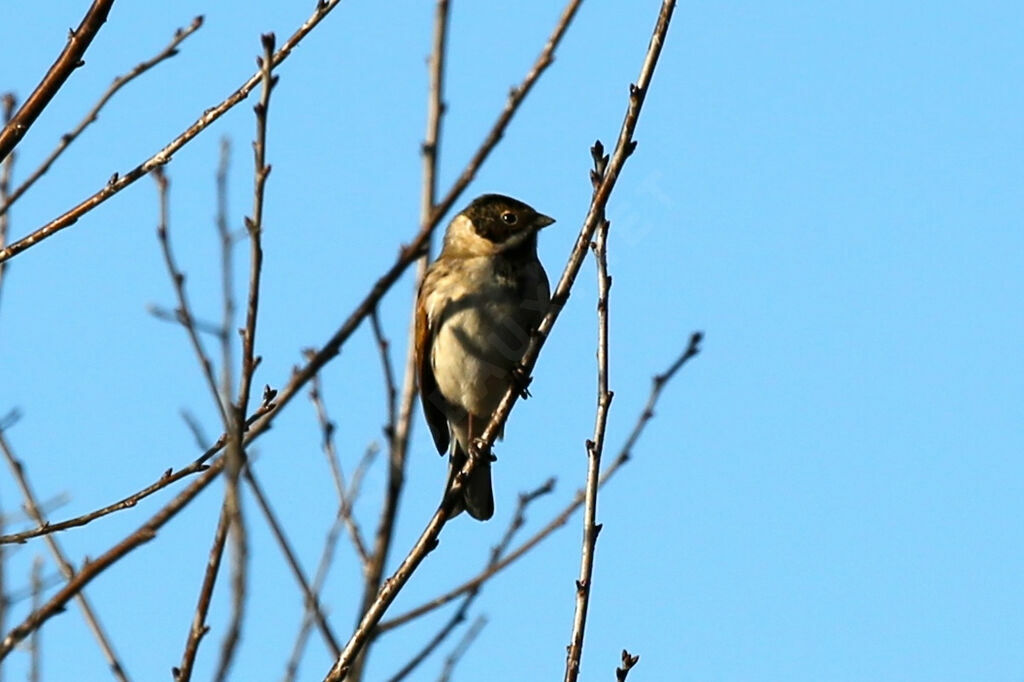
<point x="509" y="217"/>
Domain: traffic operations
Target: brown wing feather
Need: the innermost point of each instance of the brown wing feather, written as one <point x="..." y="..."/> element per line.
<point x="430" y="394"/>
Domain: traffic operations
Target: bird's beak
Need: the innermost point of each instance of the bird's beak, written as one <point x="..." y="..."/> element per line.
<point x="542" y="221"/>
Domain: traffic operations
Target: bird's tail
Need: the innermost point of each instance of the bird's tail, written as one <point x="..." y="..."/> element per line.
<point x="477" y="496"/>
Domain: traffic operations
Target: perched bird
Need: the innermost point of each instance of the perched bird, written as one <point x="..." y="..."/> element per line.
<point x="478" y="304"/>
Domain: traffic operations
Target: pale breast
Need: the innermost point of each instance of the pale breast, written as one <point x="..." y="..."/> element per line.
<point x="483" y="328"/>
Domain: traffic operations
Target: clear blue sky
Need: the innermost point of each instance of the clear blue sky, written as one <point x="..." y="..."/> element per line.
<point x="833" y="490"/>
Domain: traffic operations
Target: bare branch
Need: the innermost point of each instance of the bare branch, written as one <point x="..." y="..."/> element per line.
<point x="322" y="569"/>
<point x="345" y="499"/>
<point x="167" y="478"/>
<point x="184" y="310"/>
<point x="162" y="157"/>
<point x="165" y="315"/>
<point x="69" y="59"/>
<point x="461" y="648"/>
<point x="254" y="227"/>
<point x="36" y="643"/>
<point x="199" y="628"/>
<point x="310" y="597"/>
<point x="5" y="595"/>
<point x="518" y="519"/>
<point x="624" y="455"/>
<point x="343" y="517"/>
<point x="195" y="428"/>
<point x="92" y="569"/>
<point x="91" y="619"/>
<point x="595" y="447"/>
<point x="389" y="374"/>
<point x="239" y="584"/>
<point x="7" y="103"/>
<point x="226" y="270"/>
<point x="67" y="138"/>
<point x="45" y="583"/>
<point x="235" y="427"/>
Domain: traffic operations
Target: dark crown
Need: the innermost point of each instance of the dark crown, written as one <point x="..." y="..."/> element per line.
<point x="496" y="217"/>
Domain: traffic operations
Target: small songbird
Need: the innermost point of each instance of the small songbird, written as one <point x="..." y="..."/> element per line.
<point x="478" y="304"/>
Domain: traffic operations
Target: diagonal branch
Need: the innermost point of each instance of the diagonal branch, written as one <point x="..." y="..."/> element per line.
<point x="199" y="628"/>
<point x="184" y="311"/>
<point x="89" y="571"/>
<point x="625" y="454"/>
<point x="119" y="182"/>
<point x="69" y="59"/>
<point x="60" y="558"/>
<point x="346" y="498"/>
<point x="461" y="647"/>
<point x="518" y="519"/>
<point x="67" y="138"/>
<point x="343" y="517"/>
<point x="309" y="595"/>
<point x="169" y="476"/>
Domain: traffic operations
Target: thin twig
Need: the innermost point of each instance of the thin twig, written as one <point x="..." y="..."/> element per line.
<point x="595" y="446"/>
<point x="343" y="518"/>
<point x="165" y="315"/>
<point x="226" y="270"/>
<point x="94" y="568"/>
<point x="391" y="392"/>
<point x="69" y="59"/>
<point x="7" y="104"/>
<point x="235" y="453"/>
<point x="47" y="506"/>
<point x="311" y="599"/>
<point x="36" y="642"/>
<point x="195" y="428"/>
<point x="67" y="138"/>
<point x="184" y="313"/>
<point x="5" y="596"/>
<point x="199" y="628"/>
<point x="345" y="502"/>
<point x="628" y="661"/>
<point x="45" y="583"/>
<point x="119" y="182"/>
<point x="167" y="478"/>
<point x="327" y="427"/>
<point x="91" y="619"/>
<point x="625" y="453"/>
<point x="518" y="519"/>
<point x="184" y="310"/>
<point x="308" y="619"/>
<point x="254" y="227"/>
<point x="461" y="648"/>
<point x="400" y="431"/>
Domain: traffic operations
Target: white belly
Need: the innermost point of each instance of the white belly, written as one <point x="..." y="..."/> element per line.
<point x="475" y="349"/>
